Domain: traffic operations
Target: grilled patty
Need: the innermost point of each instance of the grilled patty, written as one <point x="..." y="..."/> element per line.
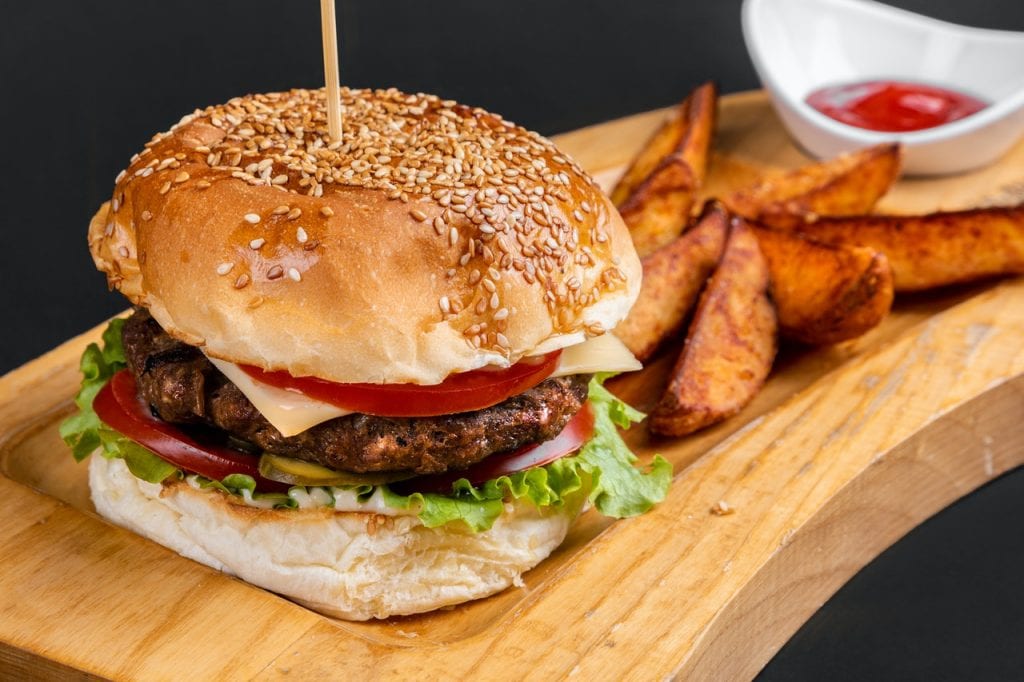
<point x="183" y="387"/>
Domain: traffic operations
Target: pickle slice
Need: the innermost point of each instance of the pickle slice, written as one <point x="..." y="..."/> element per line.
<point x="299" y="472"/>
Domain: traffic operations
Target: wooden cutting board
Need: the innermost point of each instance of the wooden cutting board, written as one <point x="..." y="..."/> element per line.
<point x="845" y="450"/>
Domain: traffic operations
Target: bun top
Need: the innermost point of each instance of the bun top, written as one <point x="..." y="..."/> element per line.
<point x="434" y="238"/>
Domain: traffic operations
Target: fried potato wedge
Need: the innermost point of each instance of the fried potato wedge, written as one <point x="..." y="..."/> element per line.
<point x="730" y="346"/>
<point x="657" y="192"/>
<point x="936" y="249"/>
<point x="825" y="293"/>
<point x="850" y="184"/>
<point x="673" y="278"/>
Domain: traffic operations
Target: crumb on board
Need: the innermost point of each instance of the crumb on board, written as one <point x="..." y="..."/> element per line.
<point x="722" y="508"/>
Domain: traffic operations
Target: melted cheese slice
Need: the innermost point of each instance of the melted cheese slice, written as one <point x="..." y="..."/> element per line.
<point x="289" y="412"/>
<point x="292" y="413"/>
<point x="603" y="353"/>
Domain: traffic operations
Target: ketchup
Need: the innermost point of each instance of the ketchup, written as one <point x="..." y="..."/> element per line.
<point x="893" y="106"/>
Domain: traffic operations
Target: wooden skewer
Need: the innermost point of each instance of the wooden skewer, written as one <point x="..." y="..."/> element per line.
<point x="329" y="35"/>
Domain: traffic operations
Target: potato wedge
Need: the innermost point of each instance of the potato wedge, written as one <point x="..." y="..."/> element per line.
<point x="850" y="184"/>
<point x="657" y="192"/>
<point x="730" y="346"/>
<point x="936" y="249"/>
<point x="824" y="293"/>
<point x="673" y="278"/>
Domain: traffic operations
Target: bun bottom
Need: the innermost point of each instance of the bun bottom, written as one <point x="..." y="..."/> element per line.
<point x="351" y="565"/>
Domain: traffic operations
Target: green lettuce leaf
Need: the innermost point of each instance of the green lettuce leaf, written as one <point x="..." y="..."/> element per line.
<point x="140" y="461"/>
<point x="618" y="488"/>
<point x="81" y="431"/>
<point x="84" y="432"/>
<point x="244" y="486"/>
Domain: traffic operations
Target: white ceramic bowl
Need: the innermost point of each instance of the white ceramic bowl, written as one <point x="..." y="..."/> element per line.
<point x="798" y="46"/>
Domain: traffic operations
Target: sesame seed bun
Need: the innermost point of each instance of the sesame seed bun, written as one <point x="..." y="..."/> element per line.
<point x="433" y="239"/>
<point x="352" y="565"/>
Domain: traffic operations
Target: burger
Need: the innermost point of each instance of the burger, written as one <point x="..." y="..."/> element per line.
<point x="364" y="373"/>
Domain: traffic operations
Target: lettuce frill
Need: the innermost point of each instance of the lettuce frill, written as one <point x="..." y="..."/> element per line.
<point x="604" y="465"/>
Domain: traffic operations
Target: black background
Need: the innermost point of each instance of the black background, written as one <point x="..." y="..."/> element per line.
<point x="84" y="85"/>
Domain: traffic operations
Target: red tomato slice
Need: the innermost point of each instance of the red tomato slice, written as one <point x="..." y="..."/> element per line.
<point x="119" y="407"/>
<point x="463" y="392"/>
<point x="577" y="432"/>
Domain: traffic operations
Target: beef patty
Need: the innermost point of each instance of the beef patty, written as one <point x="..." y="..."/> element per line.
<point x="182" y="386"/>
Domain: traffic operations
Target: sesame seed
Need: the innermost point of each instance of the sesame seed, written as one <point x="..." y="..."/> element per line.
<point x="280" y="210"/>
<point x="445" y="305"/>
<point x="202" y="184"/>
<point x="224" y="268"/>
<point x="252" y="218"/>
<point x="294" y="214"/>
<point x="501" y="314"/>
<point x="166" y="188"/>
<point x="418" y="214"/>
<point x="257" y="243"/>
<point x="147" y="215"/>
<point x="276" y="272"/>
<point x="123" y="251"/>
<point x="294" y="274"/>
<point x="300" y="235"/>
<point x="242" y="280"/>
<point x="453" y="236"/>
<point x="326" y="211"/>
<point x="181" y="177"/>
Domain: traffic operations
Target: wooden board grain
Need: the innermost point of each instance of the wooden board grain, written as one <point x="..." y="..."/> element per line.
<point x="845" y="450"/>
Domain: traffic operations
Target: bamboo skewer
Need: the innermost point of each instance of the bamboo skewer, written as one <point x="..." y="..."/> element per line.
<point x="329" y="35"/>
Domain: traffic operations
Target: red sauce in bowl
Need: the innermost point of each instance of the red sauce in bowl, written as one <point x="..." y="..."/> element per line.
<point x="893" y="106"/>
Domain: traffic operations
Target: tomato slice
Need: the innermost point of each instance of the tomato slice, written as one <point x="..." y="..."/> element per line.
<point x="463" y="392"/>
<point x="577" y="432"/>
<point x="119" y="407"/>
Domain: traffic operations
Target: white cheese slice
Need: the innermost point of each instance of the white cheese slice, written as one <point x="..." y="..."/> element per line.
<point x="605" y="353"/>
<point x="289" y="412"/>
<point x="292" y="413"/>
